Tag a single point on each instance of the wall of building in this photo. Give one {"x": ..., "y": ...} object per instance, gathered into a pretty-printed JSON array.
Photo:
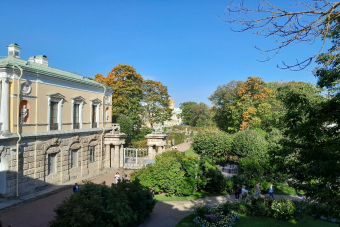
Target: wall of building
[
  {"x": 38, "y": 100},
  {"x": 33, "y": 161}
]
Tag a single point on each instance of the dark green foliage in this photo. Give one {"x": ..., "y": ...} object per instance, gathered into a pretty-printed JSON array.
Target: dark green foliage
[
  {"x": 280, "y": 208},
  {"x": 124, "y": 204},
  {"x": 186, "y": 114},
  {"x": 213, "y": 144},
  {"x": 175, "y": 174},
  {"x": 310, "y": 152},
  {"x": 210, "y": 177},
  {"x": 283, "y": 209},
  {"x": 249, "y": 143},
  {"x": 177, "y": 138},
  {"x": 126, "y": 124},
  {"x": 216, "y": 216}
]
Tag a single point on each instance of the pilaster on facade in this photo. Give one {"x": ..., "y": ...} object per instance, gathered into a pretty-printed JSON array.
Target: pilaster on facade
[{"x": 4, "y": 110}]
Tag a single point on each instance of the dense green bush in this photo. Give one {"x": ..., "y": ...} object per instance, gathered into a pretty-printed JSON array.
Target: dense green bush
[
  {"x": 283, "y": 209},
  {"x": 210, "y": 177},
  {"x": 216, "y": 216},
  {"x": 249, "y": 143},
  {"x": 280, "y": 208},
  {"x": 213, "y": 144},
  {"x": 123, "y": 204},
  {"x": 175, "y": 174}
]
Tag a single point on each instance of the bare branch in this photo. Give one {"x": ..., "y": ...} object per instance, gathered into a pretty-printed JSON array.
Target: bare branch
[{"x": 306, "y": 26}]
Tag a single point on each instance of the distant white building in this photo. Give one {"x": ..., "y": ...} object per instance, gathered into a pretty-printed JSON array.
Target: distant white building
[{"x": 176, "y": 115}]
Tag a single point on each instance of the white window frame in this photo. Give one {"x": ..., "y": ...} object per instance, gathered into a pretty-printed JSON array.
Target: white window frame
[
  {"x": 60, "y": 100},
  {"x": 81, "y": 101},
  {"x": 72, "y": 160},
  {"x": 50, "y": 170},
  {"x": 93, "y": 148},
  {"x": 96, "y": 103}
]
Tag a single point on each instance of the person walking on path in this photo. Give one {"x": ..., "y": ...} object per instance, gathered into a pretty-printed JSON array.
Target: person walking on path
[
  {"x": 117, "y": 177},
  {"x": 244, "y": 193},
  {"x": 123, "y": 176},
  {"x": 271, "y": 191},
  {"x": 257, "y": 189},
  {"x": 75, "y": 188},
  {"x": 237, "y": 191}
]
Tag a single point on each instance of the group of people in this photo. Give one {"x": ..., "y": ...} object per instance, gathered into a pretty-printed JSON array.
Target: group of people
[
  {"x": 121, "y": 177},
  {"x": 242, "y": 191}
]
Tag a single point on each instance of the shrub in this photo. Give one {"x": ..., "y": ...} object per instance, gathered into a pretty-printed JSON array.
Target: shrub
[
  {"x": 210, "y": 177},
  {"x": 248, "y": 143},
  {"x": 175, "y": 174},
  {"x": 215, "y": 216},
  {"x": 283, "y": 208},
  {"x": 124, "y": 204},
  {"x": 213, "y": 144}
]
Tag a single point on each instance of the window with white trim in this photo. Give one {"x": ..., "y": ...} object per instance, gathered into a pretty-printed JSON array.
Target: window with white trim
[
  {"x": 91, "y": 155},
  {"x": 76, "y": 117},
  {"x": 74, "y": 158},
  {"x": 52, "y": 159},
  {"x": 54, "y": 116},
  {"x": 55, "y": 104}
]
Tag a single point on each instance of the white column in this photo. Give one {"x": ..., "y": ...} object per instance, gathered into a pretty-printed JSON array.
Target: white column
[{"x": 4, "y": 117}]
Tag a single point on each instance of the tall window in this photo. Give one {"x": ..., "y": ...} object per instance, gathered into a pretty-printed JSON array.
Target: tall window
[
  {"x": 76, "y": 116},
  {"x": 94, "y": 116},
  {"x": 54, "y": 116},
  {"x": 91, "y": 158},
  {"x": 74, "y": 160},
  {"x": 52, "y": 163}
]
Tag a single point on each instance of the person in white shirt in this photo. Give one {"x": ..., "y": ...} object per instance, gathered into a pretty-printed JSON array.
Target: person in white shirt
[{"x": 117, "y": 177}]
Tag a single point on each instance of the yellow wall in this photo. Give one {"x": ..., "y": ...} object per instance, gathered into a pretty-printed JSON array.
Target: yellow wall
[{"x": 38, "y": 110}]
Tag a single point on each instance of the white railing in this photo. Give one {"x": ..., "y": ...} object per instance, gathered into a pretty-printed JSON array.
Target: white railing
[
  {"x": 135, "y": 157},
  {"x": 229, "y": 170}
]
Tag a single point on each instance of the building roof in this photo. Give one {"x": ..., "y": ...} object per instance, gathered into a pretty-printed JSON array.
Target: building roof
[{"x": 9, "y": 62}]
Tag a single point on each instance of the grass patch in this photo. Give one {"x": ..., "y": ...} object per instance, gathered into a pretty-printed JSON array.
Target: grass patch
[
  {"x": 282, "y": 189},
  {"x": 190, "y": 152},
  {"x": 259, "y": 221},
  {"x": 187, "y": 221},
  {"x": 196, "y": 195}
]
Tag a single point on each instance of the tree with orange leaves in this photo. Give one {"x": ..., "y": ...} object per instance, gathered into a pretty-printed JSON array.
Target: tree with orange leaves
[
  {"x": 241, "y": 105},
  {"x": 127, "y": 90}
]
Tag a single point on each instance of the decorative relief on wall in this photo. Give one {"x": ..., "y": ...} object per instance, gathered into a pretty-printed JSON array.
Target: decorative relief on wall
[{"x": 26, "y": 87}]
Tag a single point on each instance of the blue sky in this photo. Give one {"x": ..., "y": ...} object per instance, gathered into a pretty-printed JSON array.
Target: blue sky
[{"x": 183, "y": 44}]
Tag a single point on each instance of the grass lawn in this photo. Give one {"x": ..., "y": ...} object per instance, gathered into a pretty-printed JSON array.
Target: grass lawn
[
  {"x": 283, "y": 189},
  {"x": 256, "y": 221},
  {"x": 196, "y": 195},
  {"x": 190, "y": 152}
]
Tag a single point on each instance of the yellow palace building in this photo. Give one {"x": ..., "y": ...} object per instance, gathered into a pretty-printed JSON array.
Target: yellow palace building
[{"x": 52, "y": 124}]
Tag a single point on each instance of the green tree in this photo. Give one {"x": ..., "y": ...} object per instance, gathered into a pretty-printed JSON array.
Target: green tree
[
  {"x": 126, "y": 84},
  {"x": 213, "y": 144},
  {"x": 201, "y": 115},
  {"x": 156, "y": 102},
  {"x": 186, "y": 113},
  {"x": 123, "y": 204},
  {"x": 249, "y": 143},
  {"x": 310, "y": 149}
]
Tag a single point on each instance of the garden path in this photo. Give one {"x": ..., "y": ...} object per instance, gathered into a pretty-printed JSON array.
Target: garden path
[{"x": 168, "y": 214}]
